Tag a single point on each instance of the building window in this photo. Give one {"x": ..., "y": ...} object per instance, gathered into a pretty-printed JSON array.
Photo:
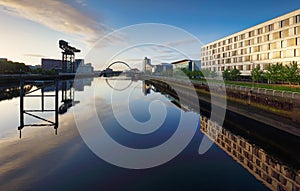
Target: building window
[
  {"x": 280, "y": 34},
  {"x": 270, "y": 27},
  {"x": 242, "y": 36},
  {"x": 251, "y": 33},
  {"x": 297, "y": 19},
  {"x": 259, "y": 31},
  {"x": 295, "y": 52},
  {"x": 235, "y": 39},
  {"x": 297, "y": 41},
  {"x": 295, "y": 31},
  {"x": 282, "y": 23}
]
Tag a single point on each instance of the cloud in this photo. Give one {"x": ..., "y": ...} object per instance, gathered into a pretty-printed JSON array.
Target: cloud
[
  {"x": 182, "y": 42},
  {"x": 58, "y": 16},
  {"x": 35, "y": 55},
  {"x": 81, "y": 2}
]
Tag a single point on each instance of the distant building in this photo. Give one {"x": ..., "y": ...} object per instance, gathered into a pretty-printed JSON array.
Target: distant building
[
  {"x": 79, "y": 66},
  {"x": 147, "y": 67},
  {"x": 188, "y": 64},
  {"x": 3, "y": 59},
  {"x": 163, "y": 69},
  {"x": 78, "y": 62},
  {"x": 51, "y": 64},
  {"x": 135, "y": 70},
  {"x": 34, "y": 67},
  {"x": 85, "y": 68}
]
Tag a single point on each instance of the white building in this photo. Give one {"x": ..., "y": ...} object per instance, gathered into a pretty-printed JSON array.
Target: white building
[{"x": 274, "y": 41}]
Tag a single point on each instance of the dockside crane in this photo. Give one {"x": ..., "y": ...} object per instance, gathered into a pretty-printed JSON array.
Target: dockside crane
[{"x": 68, "y": 57}]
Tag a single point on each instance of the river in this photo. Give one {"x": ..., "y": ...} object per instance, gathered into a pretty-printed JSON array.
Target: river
[{"x": 79, "y": 156}]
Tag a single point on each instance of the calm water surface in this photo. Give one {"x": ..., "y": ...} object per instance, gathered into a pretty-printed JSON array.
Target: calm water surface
[{"x": 41, "y": 160}]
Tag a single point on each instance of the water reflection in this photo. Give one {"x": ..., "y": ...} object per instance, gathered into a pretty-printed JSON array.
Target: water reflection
[
  {"x": 11, "y": 91},
  {"x": 45, "y": 89},
  {"x": 274, "y": 172},
  {"x": 40, "y": 161}
]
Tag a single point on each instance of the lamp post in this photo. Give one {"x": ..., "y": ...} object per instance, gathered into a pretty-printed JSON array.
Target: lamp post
[{"x": 253, "y": 65}]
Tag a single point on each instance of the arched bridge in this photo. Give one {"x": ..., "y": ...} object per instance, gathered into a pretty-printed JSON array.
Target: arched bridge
[{"x": 109, "y": 71}]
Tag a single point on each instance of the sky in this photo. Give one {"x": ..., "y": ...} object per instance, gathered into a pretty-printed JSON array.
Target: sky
[{"x": 108, "y": 30}]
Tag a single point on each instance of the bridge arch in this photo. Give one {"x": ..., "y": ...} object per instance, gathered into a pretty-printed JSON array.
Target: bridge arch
[
  {"x": 119, "y": 89},
  {"x": 119, "y": 62}
]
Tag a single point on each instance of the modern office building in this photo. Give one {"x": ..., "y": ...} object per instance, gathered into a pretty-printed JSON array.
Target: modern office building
[
  {"x": 79, "y": 66},
  {"x": 191, "y": 65},
  {"x": 51, "y": 64},
  {"x": 274, "y": 41}
]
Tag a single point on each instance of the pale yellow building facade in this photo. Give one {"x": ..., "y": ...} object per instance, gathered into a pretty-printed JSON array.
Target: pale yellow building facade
[{"x": 274, "y": 41}]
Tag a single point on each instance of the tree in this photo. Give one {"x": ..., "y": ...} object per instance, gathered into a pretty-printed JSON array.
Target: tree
[
  {"x": 9, "y": 67},
  {"x": 275, "y": 73},
  {"x": 199, "y": 74},
  {"x": 291, "y": 73},
  {"x": 213, "y": 74},
  {"x": 235, "y": 74},
  {"x": 231, "y": 74},
  {"x": 257, "y": 74},
  {"x": 226, "y": 74},
  {"x": 208, "y": 73},
  {"x": 187, "y": 72}
]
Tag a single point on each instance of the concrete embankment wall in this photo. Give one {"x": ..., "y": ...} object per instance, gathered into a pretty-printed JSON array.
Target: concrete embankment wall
[{"x": 280, "y": 112}]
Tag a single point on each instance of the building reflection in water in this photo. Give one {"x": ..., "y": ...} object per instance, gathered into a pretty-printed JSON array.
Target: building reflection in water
[{"x": 274, "y": 174}]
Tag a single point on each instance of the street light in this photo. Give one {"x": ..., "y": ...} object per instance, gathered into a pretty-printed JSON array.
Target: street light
[{"x": 253, "y": 65}]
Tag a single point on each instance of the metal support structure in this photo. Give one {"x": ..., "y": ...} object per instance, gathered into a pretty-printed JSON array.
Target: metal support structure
[
  {"x": 23, "y": 111},
  {"x": 68, "y": 57},
  {"x": 68, "y": 97},
  {"x": 56, "y": 106}
]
